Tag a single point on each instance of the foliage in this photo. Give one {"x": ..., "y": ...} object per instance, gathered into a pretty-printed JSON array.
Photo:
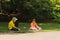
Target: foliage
[
  {"x": 56, "y": 9},
  {"x": 40, "y": 9}
]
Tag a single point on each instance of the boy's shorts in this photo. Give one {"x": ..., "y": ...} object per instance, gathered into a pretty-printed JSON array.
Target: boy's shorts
[{"x": 14, "y": 29}]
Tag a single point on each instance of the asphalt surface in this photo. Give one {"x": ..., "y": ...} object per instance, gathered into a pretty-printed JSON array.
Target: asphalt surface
[{"x": 55, "y": 35}]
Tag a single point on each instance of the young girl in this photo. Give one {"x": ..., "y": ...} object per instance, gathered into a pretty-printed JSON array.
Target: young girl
[
  {"x": 12, "y": 26},
  {"x": 34, "y": 26}
]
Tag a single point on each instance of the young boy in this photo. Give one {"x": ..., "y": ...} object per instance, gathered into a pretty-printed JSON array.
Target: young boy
[
  {"x": 34, "y": 26},
  {"x": 12, "y": 26}
]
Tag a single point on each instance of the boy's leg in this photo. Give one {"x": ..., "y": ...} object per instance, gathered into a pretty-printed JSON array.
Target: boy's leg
[{"x": 14, "y": 29}]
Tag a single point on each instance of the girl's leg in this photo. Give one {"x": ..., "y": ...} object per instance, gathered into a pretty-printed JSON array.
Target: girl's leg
[
  {"x": 33, "y": 28},
  {"x": 39, "y": 28}
]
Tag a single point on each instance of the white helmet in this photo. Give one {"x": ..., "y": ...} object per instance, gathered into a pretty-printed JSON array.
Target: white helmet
[{"x": 14, "y": 18}]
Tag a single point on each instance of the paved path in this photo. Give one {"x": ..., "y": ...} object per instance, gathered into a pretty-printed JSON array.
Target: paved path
[{"x": 32, "y": 36}]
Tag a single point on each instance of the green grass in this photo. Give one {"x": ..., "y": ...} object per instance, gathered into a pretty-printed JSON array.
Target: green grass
[{"x": 45, "y": 27}]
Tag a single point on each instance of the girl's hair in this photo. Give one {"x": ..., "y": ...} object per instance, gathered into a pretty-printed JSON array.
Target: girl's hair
[{"x": 34, "y": 19}]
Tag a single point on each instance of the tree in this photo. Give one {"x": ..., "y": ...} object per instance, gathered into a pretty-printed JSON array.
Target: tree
[
  {"x": 56, "y": 10},
  {"x": 28, "y": 9}
]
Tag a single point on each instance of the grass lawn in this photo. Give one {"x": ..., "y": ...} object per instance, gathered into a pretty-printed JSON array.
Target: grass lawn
[{"x": 45, "y": 27}]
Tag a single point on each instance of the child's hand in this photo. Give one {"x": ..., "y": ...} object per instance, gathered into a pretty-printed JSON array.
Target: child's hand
[{"x": 18, "y": 28}]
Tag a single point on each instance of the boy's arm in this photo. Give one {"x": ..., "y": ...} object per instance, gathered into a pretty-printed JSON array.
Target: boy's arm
[
  {"x": 13, "y": 25},
  {"x": 16, "y": 27}
]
